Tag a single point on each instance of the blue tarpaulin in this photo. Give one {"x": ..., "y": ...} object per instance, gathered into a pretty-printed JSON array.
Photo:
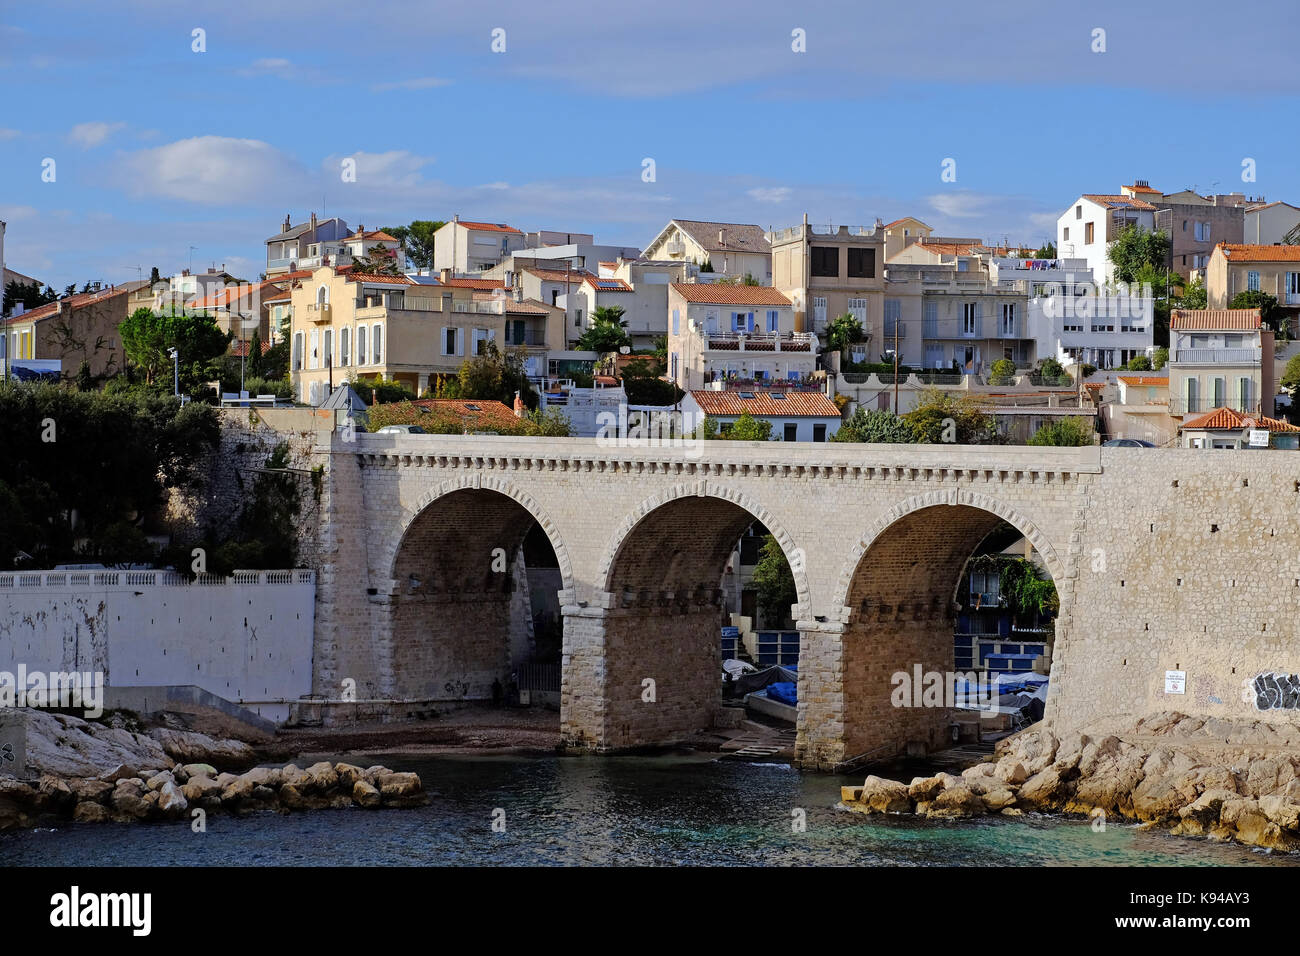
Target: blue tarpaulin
[{"x": 783, "y": 692}]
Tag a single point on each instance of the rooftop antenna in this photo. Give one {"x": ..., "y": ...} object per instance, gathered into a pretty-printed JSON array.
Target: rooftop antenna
[{"x": 192, "y": 248}]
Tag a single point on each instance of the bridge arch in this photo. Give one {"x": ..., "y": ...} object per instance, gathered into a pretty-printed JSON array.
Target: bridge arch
[
  {"x": 897, "y": 617},
  {"x": 705, "y": 489},
  {"x": 458, "y": 612}
]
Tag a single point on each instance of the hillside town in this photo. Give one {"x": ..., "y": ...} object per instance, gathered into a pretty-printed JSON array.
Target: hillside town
[{"x": 1152, "y": 319}]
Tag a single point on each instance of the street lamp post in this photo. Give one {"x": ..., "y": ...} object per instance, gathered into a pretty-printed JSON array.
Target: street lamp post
[{"x": 176, "y": 371}]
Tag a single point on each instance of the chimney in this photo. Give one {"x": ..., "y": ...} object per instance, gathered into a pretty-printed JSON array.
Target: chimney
[
  {"x": 287, "y": 224},
  {"x": 519, "y": 406},
  {"x": 313, "y": 221},
  {"x": 444, "y": 276},
  {"x": 722, "y": 237},
  {"x": 360, "y": 229}
]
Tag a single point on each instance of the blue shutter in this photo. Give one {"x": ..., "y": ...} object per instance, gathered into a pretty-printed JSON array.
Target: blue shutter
[{"x": 750, "y": 321}]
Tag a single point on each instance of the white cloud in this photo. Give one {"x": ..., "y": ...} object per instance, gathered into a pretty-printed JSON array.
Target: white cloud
[
  {"x": 770, "y": 193},
  {"x": 419, "y": 83},
  {"x": 960, "y": 205},
  {"x": 211, "y": 169},
  {"x": 273, "y": 66},
  {"x": 496, "y": 185},
  {"x": 89, "y": 135},
  {"x": 9, "y": 134},
  {"x": 397, "y": 168}
]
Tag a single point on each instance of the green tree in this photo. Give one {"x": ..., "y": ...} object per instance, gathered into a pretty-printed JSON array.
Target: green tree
[
  {"x": 940, "y": 417},
  {"x": 1063, "y": 431},
  {"x": 774, "y": 580},
  {"x": 1134, "y": 248},
  {"x": 494, "y": 375},
  {"x": 876, "y": 425},
  {"x": 744, "y": 428},
  {"x": 1194, "y": 295},
  {"x": 1269, "y": 311},
  {"x": 1159, "y": 358},
  {"x": 1046, "y": 251},
  {"x": 379, "y": 261},
  {"x": 1002, "y": 372},
  {"x": 380, "y": 391},
  {"x": 29, "y": 296},
  {"x": 417, "y": 240},
  {"x": 607, "y": 332},
  {"x": 1291, "y": 375},
  {"x": 1139, "y": 363},
  {"x": 148, "y": 336},
  {"x": 843, "y": 331}
]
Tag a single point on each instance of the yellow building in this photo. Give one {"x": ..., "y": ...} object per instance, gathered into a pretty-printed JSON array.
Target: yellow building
[
  {"x": 345, "y": 325},
  {"x": 1236, "y": 268}
]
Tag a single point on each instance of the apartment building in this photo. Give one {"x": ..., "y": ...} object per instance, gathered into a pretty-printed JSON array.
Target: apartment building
[
  {"x": 1094, "y": 220},
  {"x": 242, "y": 308},
  {"x": 307, "y": 245},
  {"x": 470, "y": 248},
  {"x": 735, "y": 333},
  {"x": 78, "y": 328},
  {"x": 731, "y": 249},
  {"x": 345, "y": 324},
  {"x": 827, "y": 271},
  {"x": 1140, "y": 410},
  {"x": 795, "y": 414},
  {"x": 1250, "y": 268},
  {"x": 1268, "y": 224},
  {"x": 638, "y": 287},
  {"x": 1195, "y": 223},
  {"x": 1220, "y": 358}
]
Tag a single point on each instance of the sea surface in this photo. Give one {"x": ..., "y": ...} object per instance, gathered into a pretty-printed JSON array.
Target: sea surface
[{"x": 654, "y": 811}]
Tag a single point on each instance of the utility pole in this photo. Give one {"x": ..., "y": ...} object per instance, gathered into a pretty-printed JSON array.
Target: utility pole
[{"x": 896, "y": 366}]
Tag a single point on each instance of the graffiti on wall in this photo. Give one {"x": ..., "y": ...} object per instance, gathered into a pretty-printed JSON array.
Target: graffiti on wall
[{"x": 1274, "y": 691}]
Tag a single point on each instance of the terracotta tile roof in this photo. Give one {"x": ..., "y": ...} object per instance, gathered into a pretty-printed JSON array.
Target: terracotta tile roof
[
  {"x": 1094, "y": 386},
  {"x": 718, "y": 294},
  {"x": 1144, "y": 189},
  {"x": 488, "y": 226},
  {"x": 786, "y": 403},
  {"x": 608, "y": 285},
  {"x": 1156, "y": 380},
  {"x": 1224, "y": 419},
  {"x": 484, "y": 284},
  {"x": 557, "y": 275},
  {"x": 380, "y": 278},
  {"x": 74, "y": 302},
  {"x": 1215, "y": 320},
  {"x": 1119, "y": 202},
  {"x": 377, "y": 234},
  {"x": 284, "y": 296},
  {"x": 528, "y": 307},
  {"x": 948, "y": 248},
  {"x": 223, "y": 298},
  {"x": 1255, "y": 207},
  {"x": 239, "y": 346},
  {"x": 476, "y": 413},
  {"x": 1238, "y": 252},
  {"x": 737, "y": 236}
]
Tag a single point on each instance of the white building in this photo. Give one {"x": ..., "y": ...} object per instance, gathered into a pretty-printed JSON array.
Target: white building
[
  {"x": 1091, "y": 224},
  {"x": 468, "y": 248},
  {"x": 1267, "y": 224},
  {"x": 639, "y": 288},
  {"x": 731, "y": 249},
  {"x": 795, "y": 414}
]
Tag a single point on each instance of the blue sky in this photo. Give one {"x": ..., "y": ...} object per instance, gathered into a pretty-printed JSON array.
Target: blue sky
[{"x": 159, "y": 148}]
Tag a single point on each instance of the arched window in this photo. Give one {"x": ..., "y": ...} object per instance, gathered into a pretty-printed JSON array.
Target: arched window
[
  {"x": 377, "y": 344},
  {"x": 344, "y": 354},
  {"x": 322, "y": 296},
  {"x": 361, "y": 345},
  {"x": 297, "y": 351}
]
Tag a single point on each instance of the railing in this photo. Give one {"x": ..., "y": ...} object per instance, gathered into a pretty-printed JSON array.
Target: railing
[
  {"x": 1199, "y": 406},
  {"x": 539, "y": 677},
  {"x": 762, "y": 341},
  {"x": 496, "y": 307},
  {"x": 1216, "y": 356},
  {"x": 159, "y": 578},
  {"x": 320, "y": 313},
  {"x": 529, "y": 337}
]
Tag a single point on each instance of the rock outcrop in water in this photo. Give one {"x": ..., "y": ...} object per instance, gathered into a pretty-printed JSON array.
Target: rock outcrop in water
[
  {"x": 1226, "y": 780},
  {"x": 93, "y": 773}
]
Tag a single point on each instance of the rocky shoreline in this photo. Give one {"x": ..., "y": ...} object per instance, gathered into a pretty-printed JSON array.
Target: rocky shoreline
[
  {"x": 95, "y": 773},
  {"x": 1215, "y": 778}
]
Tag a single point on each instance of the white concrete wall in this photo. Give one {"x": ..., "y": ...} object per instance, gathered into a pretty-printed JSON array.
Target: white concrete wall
[{"x": 248, "y": 640}]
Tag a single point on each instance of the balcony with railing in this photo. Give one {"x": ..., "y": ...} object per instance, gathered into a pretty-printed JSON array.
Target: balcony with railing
[
  {"x": 320, "y": 313},
  {"x": 1182, "y": 406},
  {"x": 1216, "y": 357},
  {"x": 761, "y": 341}
]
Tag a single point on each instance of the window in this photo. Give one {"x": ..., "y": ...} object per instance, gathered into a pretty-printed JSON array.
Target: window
[
  {"x": 361, "y": 345},
  {"x": 673, "y": 366},
  {"x": 1078, "y": 211},
  {"x": 862, "y": 263},
  {"x": 1008, "y": 318},
  {"x": 968, "y": 316},
  {"x": 819, "y": 310},
  {"x": 893, "y": 325},
  {"x": 819, "y": 433},
  {"x": 448, "y": 341},
  {"x": 773, "y": 320},
  {"x": 297, "y": 351},
  {"x": 826, "y": 261},
  {"x": 555, "y": 296},
  {"x": 858, "y": 309},
  {"x": 329, "y": 348},
  {"x": 1087, "y": 234},
  {"x": 1244, "y": 394},
  {"x": 1252, "y": 281},
  {"x": 1202, "y": 232},
  {"x": 676, "y": 317},
  {"x": 1192, "y": 395},
  {"x": 1065, "y": 234},
  {"x": 1184, "y": 225},
  {"x": 1293, "y": 283},
  {"x": 791, "y": 432},
  {"x": 1220, "y": 387},
  {"x": 344, "y": 353},
  {"x": 377, "y": 345},
  {"x": 481, "y": 337},
  {"x": 314, "y": 356}
]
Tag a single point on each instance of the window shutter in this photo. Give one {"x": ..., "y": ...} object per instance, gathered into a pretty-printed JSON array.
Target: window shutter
[{"x": 460, "y": 341}]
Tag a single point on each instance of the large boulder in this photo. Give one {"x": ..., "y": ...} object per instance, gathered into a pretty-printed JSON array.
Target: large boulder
[
  {"x": 159, "y": 780},
  {"x": 263, "y": 776},
  {"x": 954, "y": 802},
  {"x": 192, "y": 770},
  {"x": 1042, "y": 789},
  {"x": 68, "y": 746},
  {"x": 365, "y": 795},
  {"x": 348, "y": 775},
  {"x": 924, "y": 789},
  {"x": 90, "y": 812},
  {"x": 17, "y": 803},
  {"x": 321, "y": 778},
  {"x": 1011, "y": 770},
  {"x": 199, "y": 788},
  {"x": 878, "y": 796},
  {"x": 171, "y": 801},
  {"x": 238, "y": 790},
  {"x": 189, "y": 747},
  {"x": 89, "y": 790},
  {"x": 405, "y": 789}
]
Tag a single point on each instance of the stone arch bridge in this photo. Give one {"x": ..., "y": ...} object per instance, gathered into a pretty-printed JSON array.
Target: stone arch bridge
[{"x": 1165, "y": 560}]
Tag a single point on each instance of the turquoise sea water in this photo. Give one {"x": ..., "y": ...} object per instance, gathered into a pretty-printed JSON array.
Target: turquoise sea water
[{"x": 678, "y": 810}]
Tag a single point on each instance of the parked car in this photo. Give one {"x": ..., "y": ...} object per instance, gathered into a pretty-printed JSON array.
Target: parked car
[
  {"x": 400, "y": 430},
  {"x": 1127, "y": 443}
]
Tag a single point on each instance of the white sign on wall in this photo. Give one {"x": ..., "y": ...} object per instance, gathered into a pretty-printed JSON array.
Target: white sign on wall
[
  {"x": 1258, "y": 438},
  {"x": 1175, "y": 682}
]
